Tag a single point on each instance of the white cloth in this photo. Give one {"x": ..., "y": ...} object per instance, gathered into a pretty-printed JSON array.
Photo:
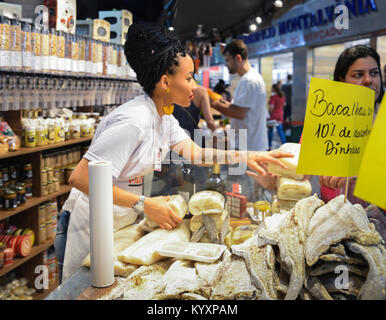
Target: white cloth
[
  {"x": 129, "y": 137},
  {"x": 250, "y": 93}
]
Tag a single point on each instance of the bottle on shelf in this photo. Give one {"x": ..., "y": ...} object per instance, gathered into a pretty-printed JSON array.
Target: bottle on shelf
[{"x": 215, "y": 182}]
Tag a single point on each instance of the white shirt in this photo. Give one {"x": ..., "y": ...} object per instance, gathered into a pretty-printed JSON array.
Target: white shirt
[
  {"x": 130, "y": 137},
  {"x": 250, "y": 93}
]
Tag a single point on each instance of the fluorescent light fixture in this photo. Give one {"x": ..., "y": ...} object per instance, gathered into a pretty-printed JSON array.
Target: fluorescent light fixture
[
  {"x": 258, "y": 20},
  {"x": 252, "y": 27},
  {"x": 278, "y": 3}
]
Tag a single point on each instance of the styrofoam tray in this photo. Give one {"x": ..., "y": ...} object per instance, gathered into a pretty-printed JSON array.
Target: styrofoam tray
[{"x": 202, "y": 252}]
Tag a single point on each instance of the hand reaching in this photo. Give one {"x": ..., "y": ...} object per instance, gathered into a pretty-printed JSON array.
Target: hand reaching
[{"x": 158, "y": 210}]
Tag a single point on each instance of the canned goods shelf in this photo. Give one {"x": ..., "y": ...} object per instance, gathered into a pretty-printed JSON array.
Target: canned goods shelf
[
  {"x": 24, "y": 151},
  {"x": 19, "y": 261},
  {"x": 34, "y": 201}
]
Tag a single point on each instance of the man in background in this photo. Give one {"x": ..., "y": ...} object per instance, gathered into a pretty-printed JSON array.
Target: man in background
[{"x": 247, "y": 110}]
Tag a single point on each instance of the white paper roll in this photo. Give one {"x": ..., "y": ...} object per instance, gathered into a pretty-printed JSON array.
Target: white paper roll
[{"x": 101, "y": 223}]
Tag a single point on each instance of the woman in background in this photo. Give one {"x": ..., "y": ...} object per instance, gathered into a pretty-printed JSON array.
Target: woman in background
[
  {"x": 358, "y": 65},
  {"x": 276, "y": 111}
]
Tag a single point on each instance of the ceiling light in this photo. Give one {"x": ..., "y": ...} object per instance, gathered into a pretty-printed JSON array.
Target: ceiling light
[
  {"x": 252, "y": 27},
  {"x": 171, "y": 29},
  {"x": 278, "y": 3},
  {"x": 258, "y": 20}
]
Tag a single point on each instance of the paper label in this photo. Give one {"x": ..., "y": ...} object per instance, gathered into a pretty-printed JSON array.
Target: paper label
[
  {"x": 370, "y": 185},
  {"x": 337, "y": 125}
]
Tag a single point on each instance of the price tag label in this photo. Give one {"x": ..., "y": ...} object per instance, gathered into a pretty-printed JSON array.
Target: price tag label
[
  {"x": 337, "y": 125},
  {"x": 370, "y": 184}
]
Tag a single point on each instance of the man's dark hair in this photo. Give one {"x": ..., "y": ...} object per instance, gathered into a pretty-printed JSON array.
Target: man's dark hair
[
  {"x": 235, "y": 47},
  {"x": 151, "y": 51},
  {"x": 349, "y": 56},
  {"x": 289, "y": 77}
]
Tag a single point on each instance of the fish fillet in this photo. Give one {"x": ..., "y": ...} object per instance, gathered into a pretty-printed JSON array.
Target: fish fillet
[
  {"x": 235, "y": 283},
  {"x": 334, "y": 222},
  {"x": 374, "y": 287},
  {"x": 260, "y": 262},
  {"x": 290, "y": 234}
]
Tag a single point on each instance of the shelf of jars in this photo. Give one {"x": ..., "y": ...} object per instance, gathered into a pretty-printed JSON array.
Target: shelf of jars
[{"x": 27, "y": 47}]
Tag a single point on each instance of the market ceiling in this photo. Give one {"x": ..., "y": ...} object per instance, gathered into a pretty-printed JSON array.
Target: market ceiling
[{"x": 228, "y": 17}]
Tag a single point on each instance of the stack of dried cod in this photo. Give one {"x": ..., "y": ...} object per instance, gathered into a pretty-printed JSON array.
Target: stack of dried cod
[{"x": 314, "y": 251}]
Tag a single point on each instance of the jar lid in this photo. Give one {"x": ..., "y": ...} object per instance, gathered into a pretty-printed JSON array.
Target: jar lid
[{"x": 8, "y": 192}]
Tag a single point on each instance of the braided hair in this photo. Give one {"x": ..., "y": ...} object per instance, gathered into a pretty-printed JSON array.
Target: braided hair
[{"x": 151, "y": 50}]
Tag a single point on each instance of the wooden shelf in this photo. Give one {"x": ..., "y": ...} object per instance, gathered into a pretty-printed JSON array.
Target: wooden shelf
[
  {"x": 24, "y": 151},
  {"x": 34, "y": 251},
  {"x": 34, "y": 201}
]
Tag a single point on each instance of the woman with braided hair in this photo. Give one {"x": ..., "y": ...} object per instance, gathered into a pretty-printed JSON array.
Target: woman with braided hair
[{"x": 137, "y": 135}]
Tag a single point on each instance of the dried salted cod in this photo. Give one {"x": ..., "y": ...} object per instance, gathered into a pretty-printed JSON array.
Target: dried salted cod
[
  {"x": 235, "y": 283},
  {"x": 317, "y": 289},
  {"x": 352, "y": 287},
  {"x": 260, "y": 262},
  {"x": 289, "y": 233},
  {"x": 323, "y": 267},
  {"x": 211, "y": 273},
  {"x": 180, "y": 278},
  {"x": 374, "y": 287},
  {"x": 334, "y": 222},
  {"x": 142, "y": 284}
]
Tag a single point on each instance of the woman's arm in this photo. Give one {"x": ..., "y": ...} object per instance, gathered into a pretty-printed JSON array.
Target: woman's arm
[
  {"x": 203, "y": 102},
  {"x": 156, "y": 208},
  {"x": 208, "y": 156}
]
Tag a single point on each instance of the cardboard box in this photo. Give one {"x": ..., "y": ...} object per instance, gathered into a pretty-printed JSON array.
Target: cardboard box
[
  {"x": 62, "y": 15},
  {"x": 119, "y": 21}
]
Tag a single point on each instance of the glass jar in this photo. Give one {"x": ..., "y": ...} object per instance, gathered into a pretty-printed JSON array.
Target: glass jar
[
  {"x": 12, "y": 172},
  {"x": 5, "y": 176},
  {"x": 26, "y": 45},
  {"x": 75, "y": 131},
  {"x": 40, "y": 136},
  {"x": 15, "y": 45},
  {"x": 9, "y": 197},
  {"x": 56, "y": 184},
  {"x": 53, "y": 53},
  {"x": 44, "y": 190},
  {"x": 5, "y": 53},
  {"x": 27, "y": 171},
  {"x": 50, "y": 173},
  {"x": 45, "y": 49},
  {"x": 30, "y": 136},
  {"x": 28, "y": 188},
  {"x": 36, "y": 48},
  {"x": 50, "y": 187},
  {"x": 20, "y": 195},
  {"x": 44, "y": 176}
]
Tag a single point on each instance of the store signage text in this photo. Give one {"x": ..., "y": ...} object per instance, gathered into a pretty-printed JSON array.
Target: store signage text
[
  {"x": 336, "y": 128},
  {"x": 319, "y": 18}
]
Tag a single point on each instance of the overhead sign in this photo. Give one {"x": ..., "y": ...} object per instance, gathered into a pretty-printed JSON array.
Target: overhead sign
[
  {"x": 372, "y": 174},
  {"x": 337, "y": 125},
  {"x": 315, "y": 22}
]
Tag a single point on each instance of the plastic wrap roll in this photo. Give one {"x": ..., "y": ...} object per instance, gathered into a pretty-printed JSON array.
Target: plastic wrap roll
[{"x": 101, "y": 223}]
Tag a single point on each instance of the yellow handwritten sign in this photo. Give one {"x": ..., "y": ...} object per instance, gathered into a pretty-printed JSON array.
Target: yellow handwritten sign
[
  {"x": 370, "y": 185},
  {"x": 336, "y": 128}
]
